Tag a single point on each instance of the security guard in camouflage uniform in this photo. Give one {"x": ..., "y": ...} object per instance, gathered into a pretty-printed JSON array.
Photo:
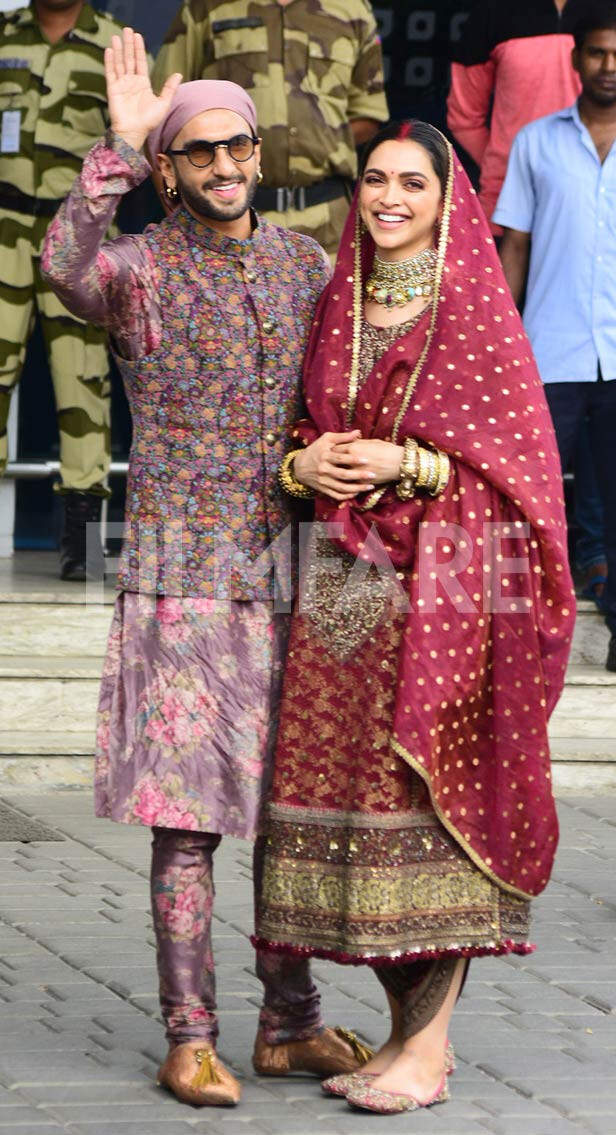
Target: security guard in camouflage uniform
[
  {"x": 314, "y": 69},
  {"x": 52, "y": 108}
]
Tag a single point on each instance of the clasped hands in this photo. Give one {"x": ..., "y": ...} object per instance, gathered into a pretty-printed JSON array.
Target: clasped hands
[{"x": 341, "y": 465}]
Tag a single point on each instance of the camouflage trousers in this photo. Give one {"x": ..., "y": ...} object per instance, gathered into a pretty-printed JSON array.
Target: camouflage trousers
[
  {"x": 76, "y": 351},
  {"x": 322, "y": 222}
]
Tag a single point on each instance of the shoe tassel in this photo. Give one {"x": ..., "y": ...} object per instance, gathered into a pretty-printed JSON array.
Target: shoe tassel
[
  {"x": 207, "y": 1073},
  {"x": 361, "y": 1052}
]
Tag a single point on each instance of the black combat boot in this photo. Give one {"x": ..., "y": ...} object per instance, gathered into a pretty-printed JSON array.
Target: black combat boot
[
  {"x": 611, "y": 655},
  {"x": 81, "y": 554}
]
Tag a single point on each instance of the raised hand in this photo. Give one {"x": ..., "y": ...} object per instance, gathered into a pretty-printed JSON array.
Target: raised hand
[{"x": 134, "y": 109}]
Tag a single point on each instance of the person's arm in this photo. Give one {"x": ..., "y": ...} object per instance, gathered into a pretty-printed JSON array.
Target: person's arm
[
  {"x": 515, "y": 212},
  {"x": 102, "y": 282},
  {"x": 109, "y": 283},
  {"x": 183, "y": 48},
  {"x": 515, "y": 255},
  {"x": 363, "y": 130},
  {"x": 473, "y": 77},
  {"x": 468, "y": 106},
  {"x": 366, "y": 100}
]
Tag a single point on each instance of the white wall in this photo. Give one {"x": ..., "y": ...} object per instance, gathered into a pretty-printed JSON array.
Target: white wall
[{"x": 7, "y": 5}]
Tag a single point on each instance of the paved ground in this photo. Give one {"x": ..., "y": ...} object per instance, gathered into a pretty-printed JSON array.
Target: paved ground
[{"x": 80, "y": 1040}]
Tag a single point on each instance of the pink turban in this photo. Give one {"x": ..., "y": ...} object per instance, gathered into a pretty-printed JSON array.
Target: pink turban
[{"x": 194, "y": 98}]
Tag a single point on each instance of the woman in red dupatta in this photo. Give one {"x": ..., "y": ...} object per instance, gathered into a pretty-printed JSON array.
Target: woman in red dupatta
[{"x": 412, "y": 816}]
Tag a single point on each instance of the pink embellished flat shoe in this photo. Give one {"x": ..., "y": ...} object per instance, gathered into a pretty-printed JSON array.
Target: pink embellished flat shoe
[
  {"x": 368, "y": 1098},
  {"x": 342, "y": 1085}
]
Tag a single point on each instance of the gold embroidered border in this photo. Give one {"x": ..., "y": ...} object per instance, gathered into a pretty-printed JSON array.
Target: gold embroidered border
[
  {"x": 453, "y": 831},
  {"x": 375, "y": 497},
  {"x": 288, "y": 813},
  {"x": 330, "y": 890},
  {"x": 356, "y": 336},
  {"x": 365, "y": 913},
  {"x": 440, "y": 267}
]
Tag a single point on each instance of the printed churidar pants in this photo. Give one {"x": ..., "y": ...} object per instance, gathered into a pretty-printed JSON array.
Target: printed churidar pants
[{"x": 182, "y": 900}]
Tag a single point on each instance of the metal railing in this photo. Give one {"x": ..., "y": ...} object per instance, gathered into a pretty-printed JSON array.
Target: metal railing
[{"x": 38, "y": 470}]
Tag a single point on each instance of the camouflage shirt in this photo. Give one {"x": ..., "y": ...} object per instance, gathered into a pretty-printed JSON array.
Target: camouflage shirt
[
  {"x": 60, "y": 95},
  {"x": 311, "y": 66}
]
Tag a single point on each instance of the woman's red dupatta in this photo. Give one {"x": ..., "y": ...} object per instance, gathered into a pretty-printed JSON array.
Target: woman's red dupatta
[{"x": 475, "y": 687}]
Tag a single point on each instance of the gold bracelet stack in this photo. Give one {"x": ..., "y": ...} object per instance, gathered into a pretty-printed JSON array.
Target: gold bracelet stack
[
  {"x": 289, "y": 483},
  {"x": 422, "y": 468}
]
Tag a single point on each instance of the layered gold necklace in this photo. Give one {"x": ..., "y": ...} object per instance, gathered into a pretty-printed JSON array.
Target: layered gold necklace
[{"x": 397, "y": 282}]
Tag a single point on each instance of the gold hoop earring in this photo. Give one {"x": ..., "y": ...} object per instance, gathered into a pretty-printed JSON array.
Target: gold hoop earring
[
  {"x": 259, "y": 176},
  {"x": 171, "y": 193}
]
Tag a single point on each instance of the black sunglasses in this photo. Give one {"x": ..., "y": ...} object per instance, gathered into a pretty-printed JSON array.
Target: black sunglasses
[{"x": 201, "y": 153}]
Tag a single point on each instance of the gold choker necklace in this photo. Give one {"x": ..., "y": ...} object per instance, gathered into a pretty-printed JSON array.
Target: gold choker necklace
[{"x": 396, "y": 282}]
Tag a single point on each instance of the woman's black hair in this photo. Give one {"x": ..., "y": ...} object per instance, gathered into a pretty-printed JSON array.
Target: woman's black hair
[
  {"x": 598, "y": 16},
  {"x": 413, "y": 130}
]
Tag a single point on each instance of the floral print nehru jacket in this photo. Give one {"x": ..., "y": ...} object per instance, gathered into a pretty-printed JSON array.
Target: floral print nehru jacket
[{"x": 209, "y": 334}]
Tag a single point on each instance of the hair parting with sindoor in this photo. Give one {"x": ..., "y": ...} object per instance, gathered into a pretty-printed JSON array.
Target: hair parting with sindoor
[{"x": 413, "y": 130}]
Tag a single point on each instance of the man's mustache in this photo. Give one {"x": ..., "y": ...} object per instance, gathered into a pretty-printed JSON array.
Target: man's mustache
[{"x": 223, "y": 181}]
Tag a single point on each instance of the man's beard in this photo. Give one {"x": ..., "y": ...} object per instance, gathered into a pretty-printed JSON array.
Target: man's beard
[
  {"x": 599, "y": 97},
  {"x": 199, "y": 204}
]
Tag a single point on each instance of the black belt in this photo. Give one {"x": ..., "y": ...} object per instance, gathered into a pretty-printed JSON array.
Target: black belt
[
  {"x": 33, "y": 206},
  {"x": 300, "y": 197}
]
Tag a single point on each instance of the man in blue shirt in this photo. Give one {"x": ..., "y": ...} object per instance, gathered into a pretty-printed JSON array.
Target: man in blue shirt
[{"x": 558, "y": 210}]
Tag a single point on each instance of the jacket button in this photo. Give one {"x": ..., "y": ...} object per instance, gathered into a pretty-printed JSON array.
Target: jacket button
[
  {"x": 268, "y": 326},
  {"x": 269, "y": 381},
  {"x": 271, "y": 437}
]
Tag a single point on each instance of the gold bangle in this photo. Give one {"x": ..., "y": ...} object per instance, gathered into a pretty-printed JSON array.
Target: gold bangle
[
  {"x": 290, "y": 483},
  {"x": 421, "y": 468},
  {"x": 423, "y": 475},
  {"x": 443, "y": 474},
  {"x": 405, "y": 488},
  {"x": 410, "y": 459},
  {"x": 433, "y": 472}
]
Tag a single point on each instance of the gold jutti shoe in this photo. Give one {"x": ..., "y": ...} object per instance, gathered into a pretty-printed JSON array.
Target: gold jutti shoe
[
  {"x": 329, "y": 1053},
  {"x": 195, "y": 1075}
]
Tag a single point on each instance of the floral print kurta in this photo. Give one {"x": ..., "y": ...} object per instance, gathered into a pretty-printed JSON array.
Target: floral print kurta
[{"x": 187, "y": 713}]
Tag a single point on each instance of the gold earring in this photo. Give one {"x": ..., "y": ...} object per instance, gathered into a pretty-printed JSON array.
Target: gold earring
[
  {"x": 259, "y": 176},
  {"x": 171, "y": 192}
]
